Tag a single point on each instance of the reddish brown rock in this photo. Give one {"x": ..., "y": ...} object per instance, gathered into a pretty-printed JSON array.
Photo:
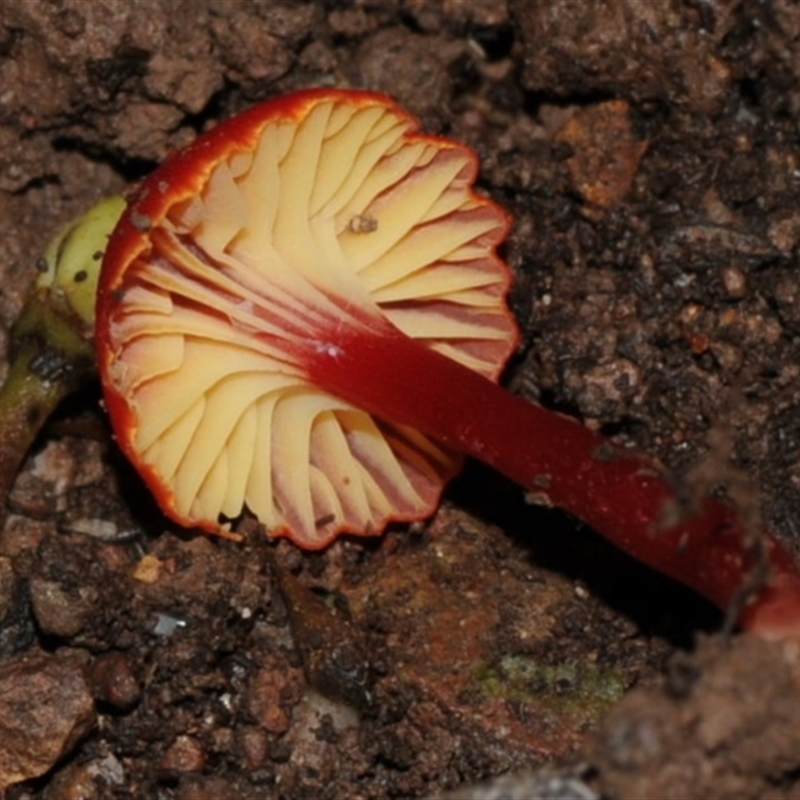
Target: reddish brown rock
[
  {"x": 45, "y": 708},
  {"x": 606, "y": 153},
  {"x": 62, "y": 611},
  {"x": 264, "y": 700}
]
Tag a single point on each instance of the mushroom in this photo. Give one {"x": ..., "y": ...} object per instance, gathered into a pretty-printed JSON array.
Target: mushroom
[{"x": 303, "y": 314}]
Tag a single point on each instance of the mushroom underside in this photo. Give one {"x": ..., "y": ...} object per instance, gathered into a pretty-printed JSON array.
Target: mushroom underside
[{"x": 340, "y": 218}]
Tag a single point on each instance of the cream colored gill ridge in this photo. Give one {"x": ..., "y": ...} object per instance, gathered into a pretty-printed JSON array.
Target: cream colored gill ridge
[{"x": 341, "y": 215}]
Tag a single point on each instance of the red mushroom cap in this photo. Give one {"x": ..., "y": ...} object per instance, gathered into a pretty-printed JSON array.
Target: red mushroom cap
[{"x": 241, "y": 256}]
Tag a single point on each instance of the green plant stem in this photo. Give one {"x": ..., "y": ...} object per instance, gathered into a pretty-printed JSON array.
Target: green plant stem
[{"x": 50, "y": 359}]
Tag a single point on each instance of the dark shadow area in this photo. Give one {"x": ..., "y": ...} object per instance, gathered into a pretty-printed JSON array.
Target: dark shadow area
[{"x": 659, "y": 606}]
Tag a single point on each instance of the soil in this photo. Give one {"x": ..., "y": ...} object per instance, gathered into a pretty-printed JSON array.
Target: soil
[{"x": 649, "y": 154}]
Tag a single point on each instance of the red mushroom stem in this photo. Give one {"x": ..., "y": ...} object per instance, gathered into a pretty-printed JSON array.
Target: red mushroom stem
[{"x": 626, "y": 499}]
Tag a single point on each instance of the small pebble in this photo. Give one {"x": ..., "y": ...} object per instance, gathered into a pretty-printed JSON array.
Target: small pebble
[
  {"x": 114, "y": 681},
  {"x": 735, "y": 282},
  {"x": 185, "y": 754}
]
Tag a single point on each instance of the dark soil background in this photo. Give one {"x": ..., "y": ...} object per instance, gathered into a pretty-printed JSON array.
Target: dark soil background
[{"x": 649, "y": 151}]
